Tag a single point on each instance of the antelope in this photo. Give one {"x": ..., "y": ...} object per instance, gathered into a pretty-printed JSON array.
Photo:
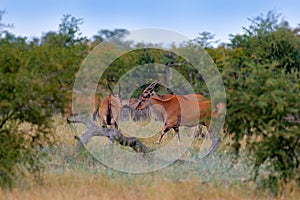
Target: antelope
[
  {"x": 176, "y": 110},
  {"x": 109, "y": 110}
]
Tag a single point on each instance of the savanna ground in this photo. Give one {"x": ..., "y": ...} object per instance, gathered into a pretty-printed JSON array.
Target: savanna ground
[{"x": 81, "y": 176}]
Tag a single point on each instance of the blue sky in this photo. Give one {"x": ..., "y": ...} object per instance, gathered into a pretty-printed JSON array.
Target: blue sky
[{"x": 188, "y": 17}]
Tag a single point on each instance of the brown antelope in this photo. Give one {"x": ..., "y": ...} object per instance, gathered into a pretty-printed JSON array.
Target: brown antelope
[
  {"x": 108, "y": 111},
  {"x": 137, "y": 115},
  {"x": 176, "y": 110}
]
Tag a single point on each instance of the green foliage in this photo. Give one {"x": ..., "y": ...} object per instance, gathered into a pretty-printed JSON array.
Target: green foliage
[
  {"x": 258, "y": 106},
  {"x": 205, "y": 39},
  {"x": 261, "y": 75},
  {"x": 35, "y": 80},
  {"x": 268, "y": 40},
  {"x": 106, "y": 34},
  {"x": 3, "y": 26},
  {"x": 69, "y": 30},
  {"x": 152, "y": 60},
  {"x": 23, "y": 101}
]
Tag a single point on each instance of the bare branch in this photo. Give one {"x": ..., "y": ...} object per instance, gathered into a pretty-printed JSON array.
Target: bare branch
[{"x": 113, "y": 135}]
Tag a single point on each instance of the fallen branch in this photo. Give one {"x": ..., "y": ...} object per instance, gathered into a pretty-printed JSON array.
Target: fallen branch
[{"x": 113, "y": 135}]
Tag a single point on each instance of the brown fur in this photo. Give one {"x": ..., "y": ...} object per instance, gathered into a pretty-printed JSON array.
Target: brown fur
[
  {"x": 176, "y": 110},
  {"x": 109, "y": 111}
]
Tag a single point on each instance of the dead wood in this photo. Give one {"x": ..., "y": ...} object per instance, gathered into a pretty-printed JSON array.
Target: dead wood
[
  {"x": 112, "y": 134},
  {"x": 115, "y": 135}
]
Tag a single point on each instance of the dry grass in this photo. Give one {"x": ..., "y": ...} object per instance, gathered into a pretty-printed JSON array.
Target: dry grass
[
  {"x": 83, "y": 178},
  {"x": 80, "y": 186}
]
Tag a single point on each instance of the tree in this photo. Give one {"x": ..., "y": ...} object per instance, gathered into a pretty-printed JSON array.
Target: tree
[
  {"x": 265, "y": 24},
  {"x": 25, "y": 99},
  {"x": 3, "y": 26},
  {"x": 268, "y": 39},
  {"x": 106, "y": 33},
  {"x": 263, "y": 104},
  {"x": 35, "y": 80},
  {"x": 259, "y": 104},
  {"x": 70, "y": 31},
  {"x": 205, "y": 39}
]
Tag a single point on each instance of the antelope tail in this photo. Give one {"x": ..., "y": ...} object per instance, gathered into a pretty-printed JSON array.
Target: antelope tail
[
  {"x": 112, "y": 92},
  {"x": 109, "y": 108},
  {"x": 96, "y": 114}
]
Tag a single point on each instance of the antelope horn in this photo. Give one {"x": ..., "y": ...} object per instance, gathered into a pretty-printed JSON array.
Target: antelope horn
[
  {"x": 152, "y": 85},
  {"x": 112, "y": 92}
]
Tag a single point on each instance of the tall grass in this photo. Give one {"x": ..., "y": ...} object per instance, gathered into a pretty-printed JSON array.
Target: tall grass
[{"x": 80, "y": 176}]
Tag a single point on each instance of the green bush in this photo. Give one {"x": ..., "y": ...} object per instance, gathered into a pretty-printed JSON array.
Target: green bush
[
  {"x": 35, "y": 77},
  {"x": 262, "y": 107}
]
